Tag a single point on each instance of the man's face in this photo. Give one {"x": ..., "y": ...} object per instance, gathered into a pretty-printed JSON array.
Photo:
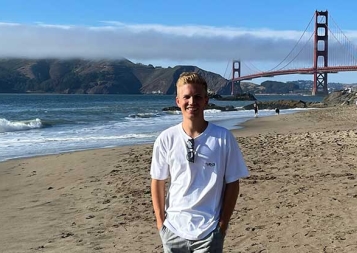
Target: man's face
[{"x": 192, "y": 100}]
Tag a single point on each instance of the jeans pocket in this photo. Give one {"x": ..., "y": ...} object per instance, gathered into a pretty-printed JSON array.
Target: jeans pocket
[
  {"x": 219, "y": 231},
  {"x": 162, "y": 230}
]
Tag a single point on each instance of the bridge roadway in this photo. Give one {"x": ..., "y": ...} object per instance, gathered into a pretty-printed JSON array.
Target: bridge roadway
[{"x": 296, "y": 71}]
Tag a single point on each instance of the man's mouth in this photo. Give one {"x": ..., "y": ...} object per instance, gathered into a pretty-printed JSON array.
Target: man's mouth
[{"x": 191, "y": 109}]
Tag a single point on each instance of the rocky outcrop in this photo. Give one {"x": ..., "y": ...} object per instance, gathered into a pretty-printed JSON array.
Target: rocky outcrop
[
  {"x": 342, "y": 97},
  {"x": 237, "y": 97},
  {"x": 210, "y": 106},
  {"x": 270, "y": 105},
  {"x": 283, "y": 104}
]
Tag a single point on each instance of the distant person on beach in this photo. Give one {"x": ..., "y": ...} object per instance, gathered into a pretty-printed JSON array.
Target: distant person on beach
[
  {"x": 255, "y": 105},
  {"x": 277, "y": 111},
  {"x": 204, "y": 164}
]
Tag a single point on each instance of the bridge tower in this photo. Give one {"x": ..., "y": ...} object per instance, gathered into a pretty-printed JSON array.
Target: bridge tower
[
  {"x": 236, "y": 69},
  {"x": 320, "y": 52}
]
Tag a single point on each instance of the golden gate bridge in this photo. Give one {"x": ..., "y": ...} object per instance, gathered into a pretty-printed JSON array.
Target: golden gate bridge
[{"x": 328, "y": 47}]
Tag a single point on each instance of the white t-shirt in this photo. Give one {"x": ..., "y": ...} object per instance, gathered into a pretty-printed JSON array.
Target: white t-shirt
[{"x": 194, "y": 199}]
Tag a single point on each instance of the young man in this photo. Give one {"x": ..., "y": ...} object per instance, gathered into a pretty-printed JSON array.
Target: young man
[{"x": 204, "y": 164}]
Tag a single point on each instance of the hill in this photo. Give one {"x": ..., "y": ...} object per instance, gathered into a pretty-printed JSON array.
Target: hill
[
  {"x": 249, "y": 87},
  {"x": 297, "y": 87},
  {"x": 96, "y": 77}
]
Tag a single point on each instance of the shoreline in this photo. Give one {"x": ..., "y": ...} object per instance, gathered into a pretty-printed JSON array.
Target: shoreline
[
  {"x": 303, "y": 176},
  {"x": 236, "y": 127}
]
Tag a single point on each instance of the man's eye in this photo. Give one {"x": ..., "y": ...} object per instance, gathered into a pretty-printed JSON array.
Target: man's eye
[{"x": 196, "y": 97}]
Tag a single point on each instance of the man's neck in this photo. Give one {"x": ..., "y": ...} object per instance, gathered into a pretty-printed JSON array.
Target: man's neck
[{"x": 194, "y": 128}]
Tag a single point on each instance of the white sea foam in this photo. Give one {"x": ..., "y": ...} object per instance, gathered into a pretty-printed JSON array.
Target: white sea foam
[
  {"x": 212, "y": 111},
  {"x": 12, "y": 126},
  {"x": 144, "y": 115},
  {"x": 173, "y": 112}
]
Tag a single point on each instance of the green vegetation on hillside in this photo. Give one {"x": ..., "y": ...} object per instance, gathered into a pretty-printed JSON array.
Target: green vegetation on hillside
[{"x": 94, "y": 77}]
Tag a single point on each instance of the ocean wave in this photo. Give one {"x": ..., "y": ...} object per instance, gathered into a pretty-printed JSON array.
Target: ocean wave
[
  {"x": 144, "y": 115},
  {"x": 212, "y": 111},
  {"x": 12, "y": 126},
  {"x": 173, "y": 112}
]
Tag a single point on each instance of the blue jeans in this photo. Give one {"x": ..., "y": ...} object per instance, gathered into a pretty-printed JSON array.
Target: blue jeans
[{"x": 172, "y": 243}]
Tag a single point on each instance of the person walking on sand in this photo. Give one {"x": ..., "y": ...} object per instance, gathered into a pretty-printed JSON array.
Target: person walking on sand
[
  {"x": 277, "y": 111},
  {"x": 255, "y": 105},
  {"x": 204, "y": 164}
]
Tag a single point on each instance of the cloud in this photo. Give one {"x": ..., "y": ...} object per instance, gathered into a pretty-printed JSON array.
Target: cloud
[{"x": 151, "y": 42}]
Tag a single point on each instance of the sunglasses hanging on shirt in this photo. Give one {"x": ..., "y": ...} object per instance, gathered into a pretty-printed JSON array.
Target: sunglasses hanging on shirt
[{"x": 190, "y": 146}]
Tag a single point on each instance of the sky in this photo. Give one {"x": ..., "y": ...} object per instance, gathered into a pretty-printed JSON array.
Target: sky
[{"x": 207, "y": 34}]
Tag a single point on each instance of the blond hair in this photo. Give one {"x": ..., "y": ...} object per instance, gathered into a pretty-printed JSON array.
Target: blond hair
[{"x": 191, "y": 78}]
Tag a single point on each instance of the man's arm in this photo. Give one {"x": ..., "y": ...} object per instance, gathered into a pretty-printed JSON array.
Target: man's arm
[
  {"x": 158, "y": 200},
  {"x": 229, "y": 201}
]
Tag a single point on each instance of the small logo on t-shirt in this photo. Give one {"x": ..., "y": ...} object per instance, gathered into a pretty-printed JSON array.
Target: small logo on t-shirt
[{"x": 210, "y": 164}]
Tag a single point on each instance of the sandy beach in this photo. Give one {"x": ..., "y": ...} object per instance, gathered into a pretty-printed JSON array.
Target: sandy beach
[{"x": 301, "y": 195}]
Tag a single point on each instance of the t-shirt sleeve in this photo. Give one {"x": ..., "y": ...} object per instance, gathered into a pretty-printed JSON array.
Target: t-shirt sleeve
[
  {"x": 159, "y": 167},
  {"x": 236, "y": 167}
]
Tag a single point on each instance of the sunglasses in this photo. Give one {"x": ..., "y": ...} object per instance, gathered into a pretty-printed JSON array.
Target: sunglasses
[{"x": 190, "y": 156}]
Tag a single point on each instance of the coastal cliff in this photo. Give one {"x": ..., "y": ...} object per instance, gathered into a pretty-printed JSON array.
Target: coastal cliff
[{"x": 77, "y": 76}]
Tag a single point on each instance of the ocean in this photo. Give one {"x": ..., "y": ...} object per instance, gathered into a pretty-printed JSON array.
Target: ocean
[{"x": 42, "y": 124}]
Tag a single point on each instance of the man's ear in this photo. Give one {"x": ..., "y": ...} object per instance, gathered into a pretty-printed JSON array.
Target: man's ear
[{"x": 177, "y": 102}]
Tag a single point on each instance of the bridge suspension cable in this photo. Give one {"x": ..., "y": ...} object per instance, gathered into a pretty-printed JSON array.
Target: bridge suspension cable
[
  {"x": 293, "y": 59},
  {"x": 295, "y": 46},
  {"x": 348, "y": 47},
  {"x": 225, "y": 72},
  {"x": 253, "y": 66}
]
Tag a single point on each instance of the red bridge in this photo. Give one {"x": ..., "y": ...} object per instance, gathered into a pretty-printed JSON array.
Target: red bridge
[{"x": 316, "y": 46}]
